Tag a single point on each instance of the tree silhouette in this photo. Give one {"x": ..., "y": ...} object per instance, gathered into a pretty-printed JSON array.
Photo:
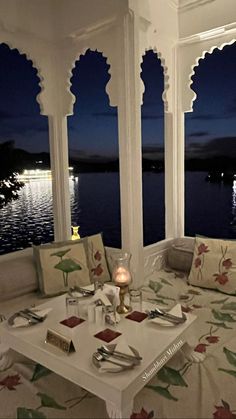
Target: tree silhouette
[{"x": 9, "y": 166}]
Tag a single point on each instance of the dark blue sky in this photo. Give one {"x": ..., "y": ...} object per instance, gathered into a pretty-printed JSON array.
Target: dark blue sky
[{"x": 211, "y": 128}]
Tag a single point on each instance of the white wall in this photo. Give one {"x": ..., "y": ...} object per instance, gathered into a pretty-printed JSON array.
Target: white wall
[{"x": 211, "y": 14}]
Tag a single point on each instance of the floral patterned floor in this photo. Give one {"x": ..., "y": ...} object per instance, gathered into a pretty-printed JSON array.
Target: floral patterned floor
[{"x": 196, "y": 383}]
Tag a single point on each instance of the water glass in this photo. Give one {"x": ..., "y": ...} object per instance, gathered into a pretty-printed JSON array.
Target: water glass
[
  {"x": 135, "y": 299},
  {"x": 72, "y": 306}
]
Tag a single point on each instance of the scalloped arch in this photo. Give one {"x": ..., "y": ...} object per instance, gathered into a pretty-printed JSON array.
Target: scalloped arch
[
  {"x": 196, "y": 64},
  {"x": 29, "y": 57},
  {"x": 165, "y": 73},
  {"x": 73, "y": 65}
]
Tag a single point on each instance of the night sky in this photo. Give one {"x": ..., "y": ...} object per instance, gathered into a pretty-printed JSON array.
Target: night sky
[{"x": 210, "y": 129}]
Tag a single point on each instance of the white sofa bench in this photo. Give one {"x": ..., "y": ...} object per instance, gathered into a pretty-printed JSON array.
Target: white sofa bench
[{"x": 198, "y": 382}]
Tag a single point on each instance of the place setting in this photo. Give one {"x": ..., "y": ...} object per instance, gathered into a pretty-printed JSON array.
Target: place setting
[
  {"x": 28, "y": 317},
  {"x": 171, "y": 318},
  {"x": 115, "y": 358}
]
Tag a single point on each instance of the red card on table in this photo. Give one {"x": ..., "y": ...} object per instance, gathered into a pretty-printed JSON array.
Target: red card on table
[
  {"x": 107, "y": 335},
  {"x": 72, "y": 321},
  {"x": 137, "y": 316}
]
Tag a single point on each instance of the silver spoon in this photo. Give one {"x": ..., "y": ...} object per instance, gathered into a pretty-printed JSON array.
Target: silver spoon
[{"x": 98, "y": 357}]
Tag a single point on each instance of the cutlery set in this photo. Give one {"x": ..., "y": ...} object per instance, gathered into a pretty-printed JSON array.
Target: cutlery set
[
  {"x": 123, "y": 360},
  {"x": 31, "y": 316},
  {"x": 152, "y": 314}
]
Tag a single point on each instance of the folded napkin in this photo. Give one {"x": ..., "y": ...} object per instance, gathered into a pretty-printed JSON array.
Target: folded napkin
[
  {"x": 123, "y": 347},
  {"x": 109, "y": 295},
  {"x": 176, "y": 311},
  {"x": 18, "y": 321}
]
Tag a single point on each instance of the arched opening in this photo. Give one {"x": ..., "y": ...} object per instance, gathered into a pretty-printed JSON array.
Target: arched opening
[
  {"x": 93, "y": 152},
  {"x": 27, "y": 219},
  {"x": 153, "y": 149},
  {"x": 210, "y": 153}
]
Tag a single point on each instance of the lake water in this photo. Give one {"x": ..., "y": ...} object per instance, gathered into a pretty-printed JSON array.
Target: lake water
[{"x": 95, "y": 202}]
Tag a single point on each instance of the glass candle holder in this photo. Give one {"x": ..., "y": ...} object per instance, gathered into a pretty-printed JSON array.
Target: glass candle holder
[{"x": 122, "y": 278}]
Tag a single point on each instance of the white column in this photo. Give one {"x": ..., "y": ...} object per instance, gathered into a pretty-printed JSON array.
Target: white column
[
  {"x": 58, "y": 141},
  {"x": 174, "y": 157},
  {"x": 130, "y": 153}
]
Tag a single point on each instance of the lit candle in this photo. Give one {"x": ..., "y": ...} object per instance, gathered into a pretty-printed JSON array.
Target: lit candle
[{"x": 122, "y": 276}]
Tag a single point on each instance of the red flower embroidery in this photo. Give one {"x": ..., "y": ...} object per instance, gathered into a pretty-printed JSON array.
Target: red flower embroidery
[
  {"x": 223, "y": 412},
  {"x": 98, "y": 270},
  {"x": 197, "y": 262},
  {"x": 221, "y": 278},
  {"x": 212, "y": 339},
  {"x": 227, "y": 263},
  {"x": 186, "y": 309},
  {"x": 202, "y": 248},
  {"x": 98, "y": 255},
  {"x": 11, "y": 381},
  {"x": 201, "y": 347},
  {"x": 142, "y": 415}
]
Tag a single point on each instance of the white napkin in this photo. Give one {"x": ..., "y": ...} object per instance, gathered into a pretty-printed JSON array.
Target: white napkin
[
  {"x": 123, "y": 347},
  {"x": 21, "y": 322},
  {"x": 109, "y": 295},
  {"x": 176, "y": 311}
]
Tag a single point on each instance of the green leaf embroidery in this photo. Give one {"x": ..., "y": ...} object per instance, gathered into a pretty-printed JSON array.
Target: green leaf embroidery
[
  {"x": 61, "y": 253},
  {"x": 224, "y": 317},
  {"x": 48, "y": 401},
  {"x": 23, "y": 413},
  {"x": 155, "y": 286},
  {"x": 194, "y": 292},
  {"x": 67, "y": 265},
  {"x": 163, "y": 392},
  {"x": 220, "y": 301},
  {"x": 220, "y": 325},
  {"x": 170, "y": 376},
  {"x": 231, "y": 372},
  {"x": 40, "y": 372},
  {"x": 229, "y": 306},
  {"x": 231, "y": 356},
  {"x": 164, "y": 281}
]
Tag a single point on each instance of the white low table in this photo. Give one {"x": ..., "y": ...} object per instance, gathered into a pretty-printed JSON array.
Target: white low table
[{"x": 155, "y": 344}]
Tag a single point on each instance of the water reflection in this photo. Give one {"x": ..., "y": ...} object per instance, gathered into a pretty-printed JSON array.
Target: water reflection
[{"x": 27, "y": 220}]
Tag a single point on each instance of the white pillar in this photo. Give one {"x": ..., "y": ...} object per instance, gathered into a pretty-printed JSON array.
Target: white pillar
[
  {"x": 58, "y": 141},
  {"x": 174, "y": 156},
  {"x": 130, "y": 151}
]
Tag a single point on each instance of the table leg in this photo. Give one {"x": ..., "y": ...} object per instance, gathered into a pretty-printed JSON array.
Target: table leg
[{"x": 119, "y": 412}]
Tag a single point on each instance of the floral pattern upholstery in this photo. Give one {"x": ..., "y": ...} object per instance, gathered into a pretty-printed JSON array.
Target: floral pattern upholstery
[{"x": 199, "y": 381}]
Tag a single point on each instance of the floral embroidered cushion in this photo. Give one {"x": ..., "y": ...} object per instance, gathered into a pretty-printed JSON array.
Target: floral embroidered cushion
[
  {"x": 96, "y": 257},
  {"x": 214, "y": 265},
  {"x": 60, "y": 266}
]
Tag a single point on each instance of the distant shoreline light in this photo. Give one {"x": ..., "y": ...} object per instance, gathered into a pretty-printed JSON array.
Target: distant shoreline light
[{"x": 37, "y": 174}]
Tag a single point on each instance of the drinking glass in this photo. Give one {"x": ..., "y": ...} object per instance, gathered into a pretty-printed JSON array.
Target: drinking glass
[{"x": 135, "y": 299}]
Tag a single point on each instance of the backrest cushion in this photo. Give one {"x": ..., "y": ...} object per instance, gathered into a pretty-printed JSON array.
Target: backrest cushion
[
  {"x": 17, "y": 277},
  {"x": 96, "y": 256},
  {"x": 60, "y": 266},
  {"x": 214, "y": 265},
  {"x": 180, "y": 255}
]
